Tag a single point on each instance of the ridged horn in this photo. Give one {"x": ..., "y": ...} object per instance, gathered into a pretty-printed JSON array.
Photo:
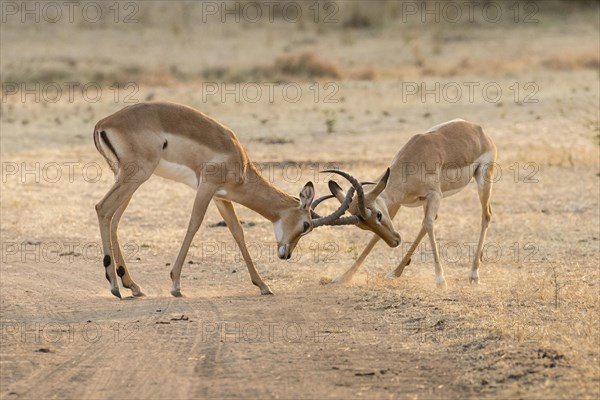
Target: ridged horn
[
  {"x": 329, "y": 219},
  {"x": 347, "y": 220},
  {"x": 362, "y": 210}
]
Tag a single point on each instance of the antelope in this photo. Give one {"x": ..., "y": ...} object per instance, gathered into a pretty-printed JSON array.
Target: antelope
[
  {"x": 182, "y": 144},
  {"x": 430, "y": 167}
]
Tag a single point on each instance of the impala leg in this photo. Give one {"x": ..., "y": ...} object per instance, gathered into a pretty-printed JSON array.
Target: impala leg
[
  {"x": 406, "y": 259},
  {"x": 121, "y": 192},
  {"x": 203, "y": 196},
  {"x": 122, "y": 270},
  {"x": 347, "y": 276},
  {"x": 431, "y": 209},
  {"x": 233, "y": 223},
  {"x": 484, "y": 188}
]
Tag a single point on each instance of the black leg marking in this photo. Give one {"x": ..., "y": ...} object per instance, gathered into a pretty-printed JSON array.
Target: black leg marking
[
  {"x": 409, "y": 260},
  {"x": 106, "y": 261},
  {"x": 121, "y": 271},
  {"x": 171, "y": 275},
  {"x": 165, "y": 144},
  {"x": 106, "y": 276}
]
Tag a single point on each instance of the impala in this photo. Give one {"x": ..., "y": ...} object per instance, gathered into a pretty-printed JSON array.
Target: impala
[
  {"x": 182, "y": 144},
  {"x": 430, "y": 166}
]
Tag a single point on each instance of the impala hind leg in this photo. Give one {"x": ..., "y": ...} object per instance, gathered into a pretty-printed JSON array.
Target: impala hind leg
[
  {"x": 233, "y": 223},
  {"x": 122, "y": 270},
  {"x": 431, "y": 210},
  {"x": 203, "y": 196},
  {"x": 483, "y": 176},
  {"x": 106, "y": 209}
]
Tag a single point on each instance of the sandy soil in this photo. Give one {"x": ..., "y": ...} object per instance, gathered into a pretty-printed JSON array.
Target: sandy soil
[{"x": 529, "y": 330}]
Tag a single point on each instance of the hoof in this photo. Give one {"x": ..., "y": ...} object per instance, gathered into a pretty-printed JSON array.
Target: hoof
[
  {"x": 341, "y": 279},
  {"x": 392, "y": 275},
  {"x": 116, "y": 292},
  {"x": 136, "y": 291},
  {"x": 474, "y": 277},
  {"x": 440, "y": 282},
  {"x": 266, "y": 291},
  {"x": 176, "y": 292}
]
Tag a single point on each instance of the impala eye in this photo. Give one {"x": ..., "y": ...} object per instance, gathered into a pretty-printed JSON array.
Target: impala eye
[
  {"x": 379, "y": 216},
  {"x": 306, "y": 227}
]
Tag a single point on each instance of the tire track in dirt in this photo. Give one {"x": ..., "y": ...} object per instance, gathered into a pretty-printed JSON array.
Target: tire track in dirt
[
  {"x": 198, "y": 346},
  {"x": 176, "y": 340}
]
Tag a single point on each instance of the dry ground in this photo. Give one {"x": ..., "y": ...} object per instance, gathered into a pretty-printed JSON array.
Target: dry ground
[{"x": 530, "y": 330}]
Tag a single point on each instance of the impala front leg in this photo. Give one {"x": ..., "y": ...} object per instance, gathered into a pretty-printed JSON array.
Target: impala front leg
[
  {"x": 347, "y": 276},
  {"x": 203, "y": 196},
  {"x": 233, "y": 224},
  {"x": 406, "y": 259}
]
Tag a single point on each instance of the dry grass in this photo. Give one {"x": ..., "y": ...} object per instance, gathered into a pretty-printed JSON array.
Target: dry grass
[
  {"x": 303, "y": 66},
  {"x": 572, "y": 61}
]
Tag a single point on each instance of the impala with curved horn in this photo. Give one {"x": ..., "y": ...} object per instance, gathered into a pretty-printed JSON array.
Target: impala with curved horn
[
  {"x": 429, "y": 167},
  {"x": 182, "y": 144},
  {"x": 368, "y": 210}
]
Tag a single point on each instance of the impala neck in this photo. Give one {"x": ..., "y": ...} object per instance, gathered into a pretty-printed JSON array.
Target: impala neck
[{"x": 259, "y": 195}]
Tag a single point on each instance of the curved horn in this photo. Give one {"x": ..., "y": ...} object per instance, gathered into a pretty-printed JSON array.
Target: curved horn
[
  {"x": 362, "y": 210},
  {"x": 316, "y": 203},
  {"x": 321, "y": 199},
  {"x": 347, "y": 220},
  {"x": 329, "y": 219}
]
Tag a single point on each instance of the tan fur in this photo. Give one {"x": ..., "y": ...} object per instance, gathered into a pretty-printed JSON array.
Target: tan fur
[
  {"x": 181, "y": 143},
  {"x": 427, "y": 168}
]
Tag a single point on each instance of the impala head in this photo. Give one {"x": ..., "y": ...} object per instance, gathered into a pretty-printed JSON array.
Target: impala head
[
  {"x": 369, "y": 211},
  {"x": 294, "y": 223}
]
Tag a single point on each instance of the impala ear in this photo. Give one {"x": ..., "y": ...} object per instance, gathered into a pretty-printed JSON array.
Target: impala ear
[
  {"x": 336, "y": 190},
  {"x": 376, "y": 191},
  {"x": 307, "y": 194}
]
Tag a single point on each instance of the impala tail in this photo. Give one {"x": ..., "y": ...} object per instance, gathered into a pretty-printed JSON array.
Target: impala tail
[{"x": 106, "y": 148}]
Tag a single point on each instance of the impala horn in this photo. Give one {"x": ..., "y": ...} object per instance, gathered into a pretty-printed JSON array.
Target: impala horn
[
  {"x": 362, "y": 210},
  {"x": 316, "y": 203},
  {"x": 334, "y": 218}
]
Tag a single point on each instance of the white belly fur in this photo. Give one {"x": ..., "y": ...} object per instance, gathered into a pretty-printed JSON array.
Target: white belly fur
[{"x": 177, "y": 172}]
